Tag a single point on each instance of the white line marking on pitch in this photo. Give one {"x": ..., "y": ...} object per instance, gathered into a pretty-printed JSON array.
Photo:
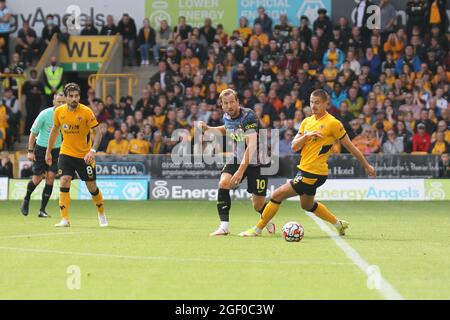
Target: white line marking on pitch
[
  {"x": 162, "y": 258},
  {"x": 44, "y": 235},
  {"x": 384, "y": 287}
]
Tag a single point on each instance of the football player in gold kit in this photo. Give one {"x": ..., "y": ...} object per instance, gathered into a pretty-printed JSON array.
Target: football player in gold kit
[
  {"x": 77, "y": 154},
  {"x": 315, "y": 139}
]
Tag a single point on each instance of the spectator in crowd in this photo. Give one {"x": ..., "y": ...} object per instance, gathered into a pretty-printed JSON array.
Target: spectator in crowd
[
  {"x": 26, "y": 171},
  {"x": 444, "y": 166},
  {"x": 106, "y": 137},
  {"x": 440, "y": 146},
  {"x": 259, "y": 36},
  {"x": 5, "y": 29},
  {"x": 127, "y": 29},
  {"x": 89, "y": 29},
  {"x": 183, "y": 29},
  {"x": 163, "y": 77},
  {"x": 436, "y": 15},
  {"x": 366, "y": 141},
  {"x": 51, "y": 28},
  {"x": 163, "y": 36},
  {"x": 286, "y": 143},
  {"x": 118, "y": 146},
  {"x": 6, "y": 166},
  {"x": 110, "y": 28},
  {"x": 442, "y": 127},
  {"x": 393, "y": 144},
  {"x": 157, "y": 145},
  {"x": 421, "y": 140},
  {"x": 13, "y": 114},
  {"x": 416, "y": 11},
  {"x": 324, "y": 23},
  {"x": 139, "y": 145},
  {"x": 388, "y": 18},
  {"x": 146, "y": 41},
  {"x": 264, "y": 21},
  {"x": 402, "y": 132},
  {"x": 53, "y": 79},
  {"x": 33, "y": 92},
  {"x": 27, "y": 43}
]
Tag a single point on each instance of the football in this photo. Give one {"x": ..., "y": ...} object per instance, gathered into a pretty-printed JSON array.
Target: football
[{"x": 293, "y": 231}]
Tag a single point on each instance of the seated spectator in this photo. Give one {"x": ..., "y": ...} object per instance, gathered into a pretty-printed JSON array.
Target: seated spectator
[
  {"x": 264, "y": 20},
  {"x": 51, "y": 28},
  {"x": 118, "y": 146},
  {"x": 127, "y": 29},
  {"x": 110, "y": 28},
  {"x": 393, "y": 45},
  {"x": 330, "y": 73},
  {"x": 402, "y": 132},
  {"x": 393, "y": 144},
  {"x": 146, "y": 41},
  {"x": 89, "y": 29},
  {"x": 381, "y": 118},
  {"x": 106, "y": 137},
  {"x": 208, "y": 31},
  {"x": 366, "y": 141},
  {"x": 157, "y": 145},
  {"x": 139, "y": 145},
  {"x": 440, "y": 146},
  {"x": 286, "y": 143},
  {"x": 27, "y": 43},
  {"x": 409, "y": 58},
  {"x": 354, "y": 101},
  {"x": 444, "y": 166},
  {"x": 338, "y": 95},
  {"x": 421, "y": 140},
  {"x": 163, "y": 36},
  {"x": 442, "y": 127},
  {"x": 430, "y": 126},
  {"x": 182, "y": 29},
  {"x": 333, "y": 54},
  {"x": 290, "y": 62},
  {"x": 6, "y": 166},
  {"x": 26, "y": 171},
  {"x": 259, "y": 35}
]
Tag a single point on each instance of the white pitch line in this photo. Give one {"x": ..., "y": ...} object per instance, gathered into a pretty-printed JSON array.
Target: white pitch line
[
  {"x": 31, "y": 235},
  {"x": 162, "y": 258},
  {"x": 384, "y": 287}
]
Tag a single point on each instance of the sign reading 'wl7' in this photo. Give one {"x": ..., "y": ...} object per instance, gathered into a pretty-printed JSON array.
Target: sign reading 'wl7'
[{"x": 86, "y": 49}]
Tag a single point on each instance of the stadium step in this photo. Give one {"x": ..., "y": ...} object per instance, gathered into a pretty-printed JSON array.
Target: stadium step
[{"x": 144, "y": 74}]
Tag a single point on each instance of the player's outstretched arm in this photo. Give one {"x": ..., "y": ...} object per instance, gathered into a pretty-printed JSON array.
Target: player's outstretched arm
[
  {"x": 51, "y": 142},
  {"x": 358, "y": 155},
  {"x": 205, "y": 127}
]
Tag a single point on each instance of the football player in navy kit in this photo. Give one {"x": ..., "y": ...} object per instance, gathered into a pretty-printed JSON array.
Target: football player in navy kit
[{"x": 242, "y": 126}]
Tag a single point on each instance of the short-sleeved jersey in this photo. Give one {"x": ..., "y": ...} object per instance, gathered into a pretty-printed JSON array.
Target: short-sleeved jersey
[
  {"x": 75, "y": 126},
  {"x": 237, "y": 129},
  {"x": 120, "y": 148},
  {"x": 316, "y": 151},
  {"x": 137, "y": 146},
  {"x": 42, "y": 126}
]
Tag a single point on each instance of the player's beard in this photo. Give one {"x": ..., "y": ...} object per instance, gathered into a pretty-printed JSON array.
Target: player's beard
[{"x": 73, "y": 105}]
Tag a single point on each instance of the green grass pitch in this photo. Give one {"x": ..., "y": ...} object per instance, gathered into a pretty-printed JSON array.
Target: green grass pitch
[{"x": 162, "y": 250}]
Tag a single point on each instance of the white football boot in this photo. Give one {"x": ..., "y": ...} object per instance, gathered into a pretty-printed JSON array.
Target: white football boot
[
  {"x": 63, "y": 224},
  {"x": 102, "y": 220}
]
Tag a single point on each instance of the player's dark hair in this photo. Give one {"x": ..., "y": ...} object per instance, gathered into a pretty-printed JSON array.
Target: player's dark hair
[
  {"x": 71, "y": 87},
  {"x": 322, "y": 94}
]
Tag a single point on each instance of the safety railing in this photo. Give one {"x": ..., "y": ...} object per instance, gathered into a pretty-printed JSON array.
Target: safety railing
[{"x": 103, "y": 80}]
